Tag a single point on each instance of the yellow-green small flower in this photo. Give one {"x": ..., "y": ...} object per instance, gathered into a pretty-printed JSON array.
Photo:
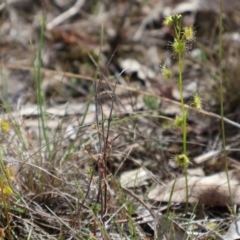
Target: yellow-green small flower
[
  {"x": 177, "y": 17},
  {"x": 4, "y": 126},
  {"x": 166, "y": 72},
  {"x": 7, "y": 190},
  {"x": 189, "y": 33},
  {"x": 168, "y": 21},
  {"x": 182, "y": 160},
  {"x": 172, "y": 19}
]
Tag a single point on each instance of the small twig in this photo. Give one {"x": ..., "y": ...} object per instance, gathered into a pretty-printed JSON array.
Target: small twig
[{"x": 66, "y": 15}]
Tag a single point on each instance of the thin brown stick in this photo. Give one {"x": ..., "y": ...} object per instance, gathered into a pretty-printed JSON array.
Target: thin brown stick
[{"x": 78, "y": 76}]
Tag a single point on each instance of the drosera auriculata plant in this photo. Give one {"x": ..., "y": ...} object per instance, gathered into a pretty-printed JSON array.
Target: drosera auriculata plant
[{"x": 181, "y": 44}]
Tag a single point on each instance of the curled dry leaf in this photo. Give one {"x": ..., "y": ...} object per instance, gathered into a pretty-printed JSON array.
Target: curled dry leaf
[{"x": 212, "y": 190}]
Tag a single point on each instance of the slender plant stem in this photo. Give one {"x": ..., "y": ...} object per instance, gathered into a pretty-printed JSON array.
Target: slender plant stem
[
  {"x": 221, "y": 101},
  {"x": 180, "y": 84},
  {"x": 184, "y": 116}
]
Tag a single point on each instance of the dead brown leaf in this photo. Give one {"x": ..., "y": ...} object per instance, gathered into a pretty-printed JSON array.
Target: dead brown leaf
[{"x": 211, "y": 190}]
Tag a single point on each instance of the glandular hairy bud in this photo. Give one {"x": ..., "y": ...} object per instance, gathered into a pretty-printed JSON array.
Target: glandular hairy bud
[
  {"x": 182, "y": 160},
  {"x": 179, "y": 46},
  {"x": 166, "y": 73},
  {"x": 197, "y": 101}
]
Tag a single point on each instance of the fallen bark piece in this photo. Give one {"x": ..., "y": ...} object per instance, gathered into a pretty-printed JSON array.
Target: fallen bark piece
[{"x": 211, "y": 190}]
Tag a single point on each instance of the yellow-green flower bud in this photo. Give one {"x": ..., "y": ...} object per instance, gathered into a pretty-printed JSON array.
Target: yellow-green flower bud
[
  {"x": 166, "y": 72},
  {"x": 179, "y": 46},
  {"x": 182, "y": 160},
  {"x": 197, "y": 101},
  {"x": 179, "y": 121}
]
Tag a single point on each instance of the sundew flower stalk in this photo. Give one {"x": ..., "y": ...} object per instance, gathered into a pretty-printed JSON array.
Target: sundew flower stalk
[{"x": 182, "y": 43}]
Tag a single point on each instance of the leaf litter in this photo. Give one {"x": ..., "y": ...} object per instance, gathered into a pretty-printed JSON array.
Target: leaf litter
[{"x": 52, "y": 186}]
